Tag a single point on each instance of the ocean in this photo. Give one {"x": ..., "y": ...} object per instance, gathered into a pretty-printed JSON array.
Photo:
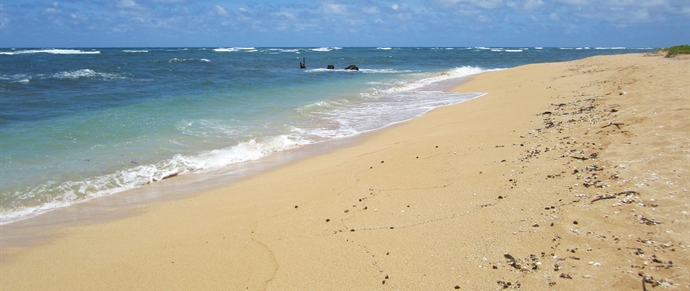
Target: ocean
[{"x": 82, "y": 123}]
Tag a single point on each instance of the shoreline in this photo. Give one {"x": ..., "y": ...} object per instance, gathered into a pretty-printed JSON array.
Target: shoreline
[
  {"x": 232, "y": 172},
  {"x": 39, "y": 228},
  {"x": 493, "y": 192}
]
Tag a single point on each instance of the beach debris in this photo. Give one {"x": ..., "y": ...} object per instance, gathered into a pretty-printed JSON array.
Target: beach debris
[
  {"x": 503, "y": 284},
  {"x": 643, "y": 220},
  {"x": 617, "y": 124},
  {"x": 169, "y": 176},
  {"x": 511, "y": 261},
  {"x": 629, "y": 197}
]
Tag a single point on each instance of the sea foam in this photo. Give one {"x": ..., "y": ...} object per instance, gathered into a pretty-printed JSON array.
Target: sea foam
[{"x": 52, "y": 51}]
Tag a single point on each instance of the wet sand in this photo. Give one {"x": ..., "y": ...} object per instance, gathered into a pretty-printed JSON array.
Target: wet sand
[{"x": 567, "y": 176}]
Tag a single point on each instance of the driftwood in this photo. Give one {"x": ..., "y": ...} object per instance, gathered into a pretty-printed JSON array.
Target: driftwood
[
  {"x": 611, "y": 196},
  {"x": 617, "y": 124}
]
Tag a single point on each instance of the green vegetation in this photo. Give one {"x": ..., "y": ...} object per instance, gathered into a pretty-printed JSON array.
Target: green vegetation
[{"x": 675, "y": 50}]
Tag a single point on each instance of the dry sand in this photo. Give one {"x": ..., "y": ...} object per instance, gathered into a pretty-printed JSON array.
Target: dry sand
[{"x": 565, "y": 176}]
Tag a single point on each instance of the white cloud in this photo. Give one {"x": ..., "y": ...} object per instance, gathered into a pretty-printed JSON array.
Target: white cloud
[
  {"x": 532, "y": 4},
  {"x": 220, "y": 10},
  {"x": 51, "y": 11},
  {"x": 483, "y": 18},
  {"x": 394, "y": 6},
  {"x": 332, "y": 8},
  {"x": 486, "y": 4},
  {"x": 640, "y": 14},
  {"x": 574, "y": 2},
  {"x": 127, "y": 4},
  {"x": 4, "y": 20},
  {"x": 371, "y": 10},
  {"x": 285, "y": 14},
  {"x": 554, "y": 17}
]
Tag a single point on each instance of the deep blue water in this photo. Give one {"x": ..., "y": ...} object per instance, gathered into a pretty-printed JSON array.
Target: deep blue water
[{"x": 77, "y": 124}]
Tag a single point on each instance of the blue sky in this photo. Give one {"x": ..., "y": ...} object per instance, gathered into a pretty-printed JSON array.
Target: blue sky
[{"x": 261, "y": 23}]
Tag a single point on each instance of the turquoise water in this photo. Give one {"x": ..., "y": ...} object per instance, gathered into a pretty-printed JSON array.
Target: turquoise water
[{"x": 78, "y": 124}]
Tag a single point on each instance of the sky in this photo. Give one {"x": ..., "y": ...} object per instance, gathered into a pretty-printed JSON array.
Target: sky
[{"x": 343, "y": 23}]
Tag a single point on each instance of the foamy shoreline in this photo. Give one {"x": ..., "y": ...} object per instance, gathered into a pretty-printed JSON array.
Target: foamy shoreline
[
  {"x": 558, "y": 178},
  {"x": 345, "y": 119}
]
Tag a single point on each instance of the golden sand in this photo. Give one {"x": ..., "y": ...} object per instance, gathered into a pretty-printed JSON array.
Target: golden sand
[{"x": 565, "y": 176}]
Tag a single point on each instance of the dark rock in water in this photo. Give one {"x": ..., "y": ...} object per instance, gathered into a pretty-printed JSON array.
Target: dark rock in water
[
  {"x": 352, "y": 67},
  {"x": 330, "y": 67}
]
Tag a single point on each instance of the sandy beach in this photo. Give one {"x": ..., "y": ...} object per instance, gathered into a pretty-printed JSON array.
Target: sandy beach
[{"x": 564, "y": 176}]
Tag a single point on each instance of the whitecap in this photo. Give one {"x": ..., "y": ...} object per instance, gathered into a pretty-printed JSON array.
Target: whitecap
[
  {"x": 52, "y": 51},
  {"x": 322, "y": 49},
  {"x": 85, "y": 73},
  {"x": 235, "y": 49}
]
